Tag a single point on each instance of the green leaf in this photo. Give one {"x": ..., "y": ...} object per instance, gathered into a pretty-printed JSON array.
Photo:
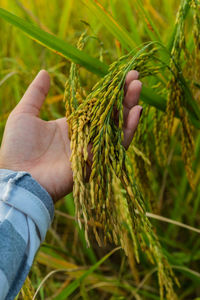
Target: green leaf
[
  {"x": 76, "y": 283},
  {"x": 193, "y": 275},
  {"x": 54, "y": 43},
  {"x": 90, "y": 63},
  {"x": 148, "y": 22},
  {"x": 65, "y": 16},
  {"x": 132, "y": 22},
  {"x": 120, "y": 33},
  {"x": 150, "y": 97}
]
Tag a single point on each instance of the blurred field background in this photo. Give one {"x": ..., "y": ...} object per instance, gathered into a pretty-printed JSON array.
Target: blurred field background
[{"x": 62, "y": 265}]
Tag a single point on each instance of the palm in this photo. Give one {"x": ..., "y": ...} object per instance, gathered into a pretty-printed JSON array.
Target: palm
[{"x": 41, "y": 148}]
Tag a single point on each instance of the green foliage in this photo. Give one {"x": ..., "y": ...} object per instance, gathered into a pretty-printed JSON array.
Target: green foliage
[
  {"x": 158, "y": 163},
  {"x": 55, "y": 44},
  {"x": 75, "y": 284}
]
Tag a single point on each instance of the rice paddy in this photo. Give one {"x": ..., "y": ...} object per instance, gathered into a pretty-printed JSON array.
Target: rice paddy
[{"x": 130, "y": 230}]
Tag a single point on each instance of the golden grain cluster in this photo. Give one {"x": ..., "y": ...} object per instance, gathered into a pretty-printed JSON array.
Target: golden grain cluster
[
  {"x": 108, "y": 182},
  {"x": 105, "y": 191}
]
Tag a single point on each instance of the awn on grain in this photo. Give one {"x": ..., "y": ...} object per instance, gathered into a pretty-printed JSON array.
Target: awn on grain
[{"x": 110, "y": 196}]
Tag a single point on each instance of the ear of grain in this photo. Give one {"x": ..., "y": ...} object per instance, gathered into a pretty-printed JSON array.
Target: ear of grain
[{"x": 113, "y": 199}]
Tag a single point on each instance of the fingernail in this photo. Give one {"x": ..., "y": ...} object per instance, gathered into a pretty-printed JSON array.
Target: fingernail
[{"x": 141, "y": 112}]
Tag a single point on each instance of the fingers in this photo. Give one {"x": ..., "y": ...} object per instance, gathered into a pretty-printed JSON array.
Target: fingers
[
  {"x": 132, "y": 75},
  {"x": 132, "y": 96},
  {"x": 133, "y": 93},
  {"x": 35, "y": 95},
  {"x": 132, "y": 111},
  {"x": 131, "y": 124}
]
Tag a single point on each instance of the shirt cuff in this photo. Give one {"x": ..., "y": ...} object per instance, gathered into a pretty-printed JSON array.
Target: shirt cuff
[{"x": 21, "y": 191}]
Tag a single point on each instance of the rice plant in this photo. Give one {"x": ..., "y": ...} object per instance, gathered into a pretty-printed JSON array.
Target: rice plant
[{"x": 113, "y": 201}]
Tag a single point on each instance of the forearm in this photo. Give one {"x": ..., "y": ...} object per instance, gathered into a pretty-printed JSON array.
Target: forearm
[{"x": 26, "y": 212}]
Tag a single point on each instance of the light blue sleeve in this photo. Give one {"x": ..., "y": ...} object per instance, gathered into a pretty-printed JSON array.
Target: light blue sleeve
[{"x": 26, "y": 212}]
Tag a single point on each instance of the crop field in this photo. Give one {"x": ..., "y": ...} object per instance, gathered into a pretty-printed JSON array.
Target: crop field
[{"x": 131, "y": 228}]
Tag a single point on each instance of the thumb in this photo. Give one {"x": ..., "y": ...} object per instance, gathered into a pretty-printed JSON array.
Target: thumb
[{"x": 35, "y": 95}]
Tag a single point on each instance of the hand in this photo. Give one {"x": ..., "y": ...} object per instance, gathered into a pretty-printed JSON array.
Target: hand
[{"x": 43, "y": 148}]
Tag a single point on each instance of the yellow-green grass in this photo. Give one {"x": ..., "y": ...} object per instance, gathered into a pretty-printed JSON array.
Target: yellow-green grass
[{"x": 65, "y": 247}]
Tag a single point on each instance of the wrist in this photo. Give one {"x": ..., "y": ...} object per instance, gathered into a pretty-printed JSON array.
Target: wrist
[{"x": 6, "y": 166}]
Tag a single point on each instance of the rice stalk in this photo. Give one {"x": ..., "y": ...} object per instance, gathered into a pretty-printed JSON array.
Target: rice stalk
[
  {"x": 176, "y": 94},
  {"x": 109, "y": 194},
  {"x": 111, "y": 197},
  {"x": 196, "y": 61}
]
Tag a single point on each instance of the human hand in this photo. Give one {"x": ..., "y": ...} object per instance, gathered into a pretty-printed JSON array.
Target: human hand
[{"x": 43, "y": 148}]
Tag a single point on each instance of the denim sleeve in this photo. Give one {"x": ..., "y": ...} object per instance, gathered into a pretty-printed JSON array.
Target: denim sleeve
[{"x": 26, "y": 212}]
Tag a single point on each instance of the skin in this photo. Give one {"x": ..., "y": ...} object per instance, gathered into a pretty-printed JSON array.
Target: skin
[{"x": 42, "y": 148}]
